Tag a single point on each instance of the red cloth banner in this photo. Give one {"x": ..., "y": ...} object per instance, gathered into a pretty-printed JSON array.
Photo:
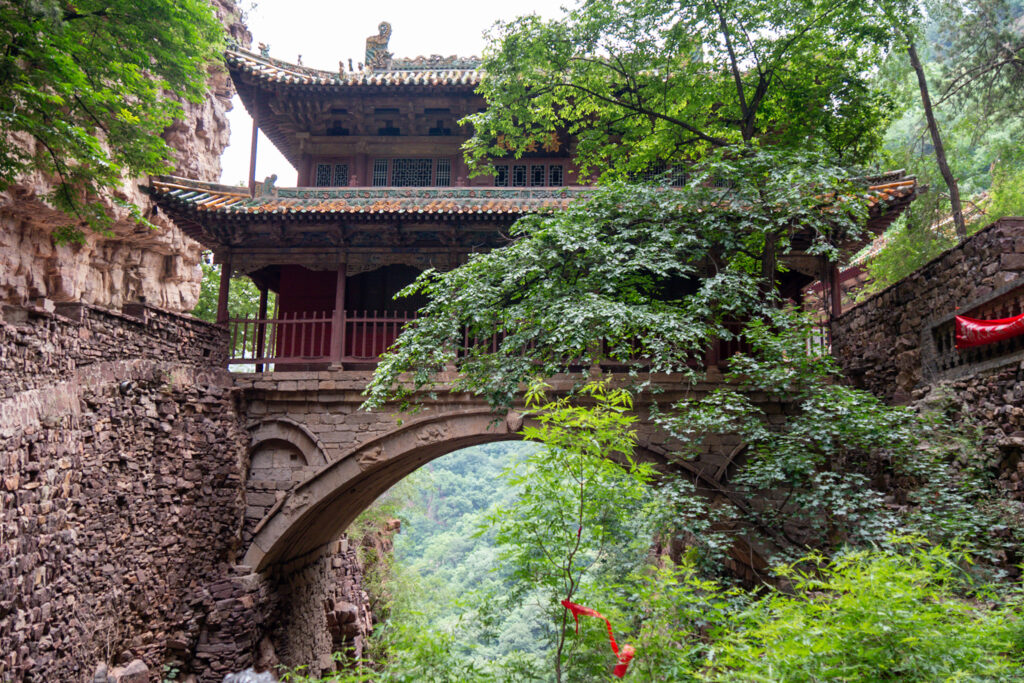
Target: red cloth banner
[
  {"x": 971, "y": 332},
  {"x": 627, "y": 652}
]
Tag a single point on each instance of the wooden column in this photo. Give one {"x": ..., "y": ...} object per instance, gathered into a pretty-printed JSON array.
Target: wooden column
[
  {"x": 222, "y": 295},
  {"x": 338, "y": 322},
  {"x": 836, "y": 290},
  {"x": 261, "y": 327},
  {"x": 252, "y": 158}
]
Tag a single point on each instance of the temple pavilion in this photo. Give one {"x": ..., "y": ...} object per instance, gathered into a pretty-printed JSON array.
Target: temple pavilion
[{"x": 383, "y": 194}]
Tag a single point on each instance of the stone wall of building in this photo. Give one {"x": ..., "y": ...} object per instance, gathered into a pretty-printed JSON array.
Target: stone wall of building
[
  {"x": 135, "y": 263},
  {"x": 898, "y": 344},
  {"x": 887, "y": 343}
]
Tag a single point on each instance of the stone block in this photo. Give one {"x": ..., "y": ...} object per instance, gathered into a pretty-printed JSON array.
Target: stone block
[{"x": 1010, "y": 261}]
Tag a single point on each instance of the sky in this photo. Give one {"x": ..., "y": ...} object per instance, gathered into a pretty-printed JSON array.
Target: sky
[{"x": 325, "y": 31}]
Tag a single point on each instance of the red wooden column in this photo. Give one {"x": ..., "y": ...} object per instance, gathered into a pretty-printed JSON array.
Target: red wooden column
[
  {"x": 261, "y": 327},
  {"x": 222, "y": 295},
  {"x": 338, "y": 322}
]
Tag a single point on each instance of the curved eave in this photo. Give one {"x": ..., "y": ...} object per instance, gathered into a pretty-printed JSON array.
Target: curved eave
[{"x": 208, "y": 211}]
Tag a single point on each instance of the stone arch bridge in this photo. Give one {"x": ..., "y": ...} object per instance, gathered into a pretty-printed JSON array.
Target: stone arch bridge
[{"x": 317, "y": 460}]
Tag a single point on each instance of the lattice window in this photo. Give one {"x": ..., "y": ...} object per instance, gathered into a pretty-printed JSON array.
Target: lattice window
[
  {"x": 380, "y": 172},
  {"x": 555, "y": 175},
  {"x": 537, "y": 173},
  {"x": 519, "y": 176},
  {"x": 341, "y": 175},
  {"x": 443, "y": 175},
  {"x": 501, "y": 175},
  {"x": 411, "y": 172},
  {"x": 323, "y": 175},
  {"x": 661, "y": 172}
]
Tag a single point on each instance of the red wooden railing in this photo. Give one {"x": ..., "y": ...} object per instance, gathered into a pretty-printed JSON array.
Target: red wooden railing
[
  {"x": 369, "y": 334},
  {"x": 305, "y": 339},
  {"x": 292, "y": 338}
]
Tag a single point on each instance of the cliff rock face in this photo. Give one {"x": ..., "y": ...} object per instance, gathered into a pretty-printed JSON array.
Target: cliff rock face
[{"x": 160, "y": 267}]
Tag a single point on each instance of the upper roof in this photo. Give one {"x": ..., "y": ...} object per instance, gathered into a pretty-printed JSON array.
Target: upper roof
[
  {"x": 424, "y": 72},
  {"x": 282, "y": 97}
]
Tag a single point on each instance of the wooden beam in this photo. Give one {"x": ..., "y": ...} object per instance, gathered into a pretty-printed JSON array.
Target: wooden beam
[
  {"x": 836, "y": 290},
  {"x": 261, "y": 327}
]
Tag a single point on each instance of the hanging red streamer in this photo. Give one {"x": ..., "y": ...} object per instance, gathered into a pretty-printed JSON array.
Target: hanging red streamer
[
  {"x": 624, "y": 656},
  {"x": 971, "y": 332}
]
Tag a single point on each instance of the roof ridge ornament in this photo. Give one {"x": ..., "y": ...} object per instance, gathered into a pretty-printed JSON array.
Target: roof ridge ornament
[
  {"x": 377, "y": 56},
  {"x": 268, "y": 188}
]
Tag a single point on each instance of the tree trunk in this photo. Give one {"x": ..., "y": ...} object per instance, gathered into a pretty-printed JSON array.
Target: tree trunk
[{"x": 940, "y": 151}]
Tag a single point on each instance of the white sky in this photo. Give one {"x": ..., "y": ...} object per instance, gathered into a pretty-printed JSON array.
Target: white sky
[{"x": 324, "y": 32}]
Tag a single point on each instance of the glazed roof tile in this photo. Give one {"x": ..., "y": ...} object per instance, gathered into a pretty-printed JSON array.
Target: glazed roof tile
[
  {"x": 226, "y": 200},
  {"x": 204, "y": 209},
  {"x": 424, "y": 71}
]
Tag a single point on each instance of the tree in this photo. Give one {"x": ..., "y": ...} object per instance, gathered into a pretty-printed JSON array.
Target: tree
[
  {"x": 657, "y": 81},
  {"x": 648, "y": 277},
  {"x": 642, "y": 85},
  {"x": 933, "y": 130},
  {"x": 86, "y": 89},
  {"x": 576, "y": 509},
  {"x": 643, "y": 275}
]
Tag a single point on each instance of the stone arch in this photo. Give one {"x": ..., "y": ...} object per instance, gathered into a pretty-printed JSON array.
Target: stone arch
[
  {"x": 288, "y": 431},
  {"x": 282, "y": 452},
  {"x": 319, "y": 508}
]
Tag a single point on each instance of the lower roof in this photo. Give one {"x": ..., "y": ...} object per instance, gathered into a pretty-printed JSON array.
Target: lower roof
[{"x": 203, "y": 209}]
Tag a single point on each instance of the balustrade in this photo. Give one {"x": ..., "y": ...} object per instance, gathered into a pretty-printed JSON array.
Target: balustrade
[
  {"x": 304, "y": 339},
  {"x": 946, "y": 357}
]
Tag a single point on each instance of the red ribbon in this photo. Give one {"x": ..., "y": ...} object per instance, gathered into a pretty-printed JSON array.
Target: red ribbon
[
  {"x": 971, "y": 332},
  {"x": 627, "y": 652}
]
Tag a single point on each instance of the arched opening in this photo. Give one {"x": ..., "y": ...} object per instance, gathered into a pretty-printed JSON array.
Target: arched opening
[{"x": 319, "y": 508}]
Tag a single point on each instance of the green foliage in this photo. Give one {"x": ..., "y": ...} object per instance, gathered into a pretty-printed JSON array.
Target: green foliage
[
  {"x": 243, "y": 300},
  {"x": 1007, "y": 193},
  {"x": 644, "y": 275},
  {"x": 637, "y": 83},
  {"x": 910, "y": 612},
  {"x": 821, "y": 479},
  {"x": 877, "y": 616},
  {"x": 92, "y": 86}
]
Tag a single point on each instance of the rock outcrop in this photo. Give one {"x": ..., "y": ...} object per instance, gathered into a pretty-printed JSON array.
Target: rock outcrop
[{"x": 160, "y": 266}]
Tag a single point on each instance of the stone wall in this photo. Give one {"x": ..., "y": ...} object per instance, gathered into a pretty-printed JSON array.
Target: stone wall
[
  {"x": 121, "y": 451},
  {"x": 135, "y": 263},
  {"x": 123, "y": 458},
  {"x": 324, "y": 607},
  {"x": 886, "y": 343}
]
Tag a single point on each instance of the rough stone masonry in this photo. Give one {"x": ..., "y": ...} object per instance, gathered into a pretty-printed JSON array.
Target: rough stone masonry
[
  {"x": 123, "y": 456},
  {"x": 898, "y": 344}
]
